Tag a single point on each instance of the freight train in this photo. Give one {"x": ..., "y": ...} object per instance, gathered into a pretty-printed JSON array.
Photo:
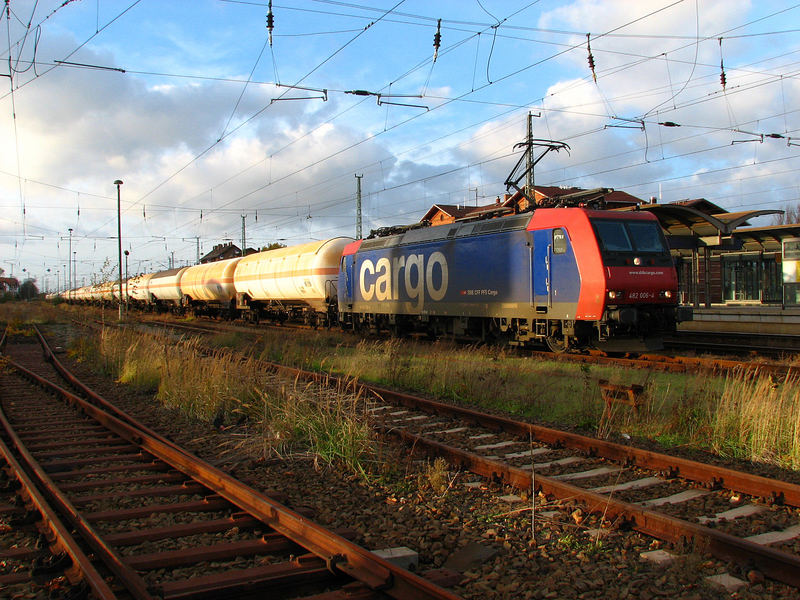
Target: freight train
[{"x": 570, "y": 278}]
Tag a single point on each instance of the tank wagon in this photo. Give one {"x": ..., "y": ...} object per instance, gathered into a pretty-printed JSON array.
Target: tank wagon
[
  {"x": 569, "y": 277},
  {"x": 208, "y": 288},
  {"x": 164, "y": 289},
  {"x": 139, "y": 290},
  {"x": 298, "y": 282}
]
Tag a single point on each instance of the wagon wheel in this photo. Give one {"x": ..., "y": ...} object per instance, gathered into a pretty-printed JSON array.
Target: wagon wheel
[{"x": 557, "y": 343}]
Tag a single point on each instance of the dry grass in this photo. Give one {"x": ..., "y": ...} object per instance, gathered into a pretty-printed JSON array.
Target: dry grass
[
  {"x": 741, "y": 416},
  {"x": 224, "y": 389},
  {"x": 758, "y": 419},
  {"x": 39, "y": 312}
]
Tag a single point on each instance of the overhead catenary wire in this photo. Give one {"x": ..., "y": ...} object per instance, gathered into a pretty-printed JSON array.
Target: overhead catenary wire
[
  {"x": 504, "y": 77},
  {"x": 661, "y": 118}
]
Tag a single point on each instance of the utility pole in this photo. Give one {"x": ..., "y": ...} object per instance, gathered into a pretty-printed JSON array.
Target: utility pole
[
  {"x": 529, "y": 161},
  {"x": 358, "y": 206},
  {"x": 118, "y": 183},
  {"x": 244, "y": 237},
  {"x": 127, "y": 282},
  {"x": 69, "y": 281}
]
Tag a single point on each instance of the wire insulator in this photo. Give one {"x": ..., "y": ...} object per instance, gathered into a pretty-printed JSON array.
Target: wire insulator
[
  {"x": 437, "y": 40},
  {"x": 591, "y": 58},
  {"x": 270, "y": 22},
  {"x": 722, "y": 78}
]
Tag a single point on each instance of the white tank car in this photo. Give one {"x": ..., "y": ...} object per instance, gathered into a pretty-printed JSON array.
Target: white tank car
[
  {"x": 104, "y": 291},
  {"x": 139, "y": 288},
  {"x": 165, "y": 286},
  {"x": 210, "y": 282},
  {"x": 304, "y": 274}
]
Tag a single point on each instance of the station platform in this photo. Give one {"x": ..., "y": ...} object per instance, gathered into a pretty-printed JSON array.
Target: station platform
[{"x": 756, "y": 319}]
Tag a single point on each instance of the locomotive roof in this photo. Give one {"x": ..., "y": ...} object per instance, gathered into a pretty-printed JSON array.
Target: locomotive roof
[{"x": 454, "y": 230}]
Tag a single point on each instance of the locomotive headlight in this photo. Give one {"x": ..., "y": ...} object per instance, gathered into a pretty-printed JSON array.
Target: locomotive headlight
[
  {"x": 666, "y": 294},
  {"x": 637, "y": 261},
  {"x": 615, "y": 295}
]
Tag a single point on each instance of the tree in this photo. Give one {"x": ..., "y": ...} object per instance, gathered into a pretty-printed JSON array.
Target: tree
[
  {"x": 28, "y": 290},
  {"x": 7, "y": 283},
  {"x": 791, "y": 214},
  {"x": 272, "y": 246}
]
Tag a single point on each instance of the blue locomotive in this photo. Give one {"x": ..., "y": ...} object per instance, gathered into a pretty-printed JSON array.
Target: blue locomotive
[{"x": 569, "y": 277}]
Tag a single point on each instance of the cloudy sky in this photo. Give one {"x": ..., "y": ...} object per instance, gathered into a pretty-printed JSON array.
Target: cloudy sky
[{"x": 208, "y": 124}]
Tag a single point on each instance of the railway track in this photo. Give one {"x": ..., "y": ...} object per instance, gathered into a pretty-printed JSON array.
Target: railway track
[
  {"x": 736, "y": 343},
  {"x": 650, "y": 362},
  {"x": 156, "y": 521},
  {"x": 735, "y": 516}
]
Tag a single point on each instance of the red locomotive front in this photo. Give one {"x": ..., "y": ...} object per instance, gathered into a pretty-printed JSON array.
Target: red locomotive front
[{"x": 628, "y": 283}]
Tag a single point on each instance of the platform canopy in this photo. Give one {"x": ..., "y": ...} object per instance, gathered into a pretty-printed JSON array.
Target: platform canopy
[
  {"x": 766, "y": 239},
  {"x": 687, "y": 227}
]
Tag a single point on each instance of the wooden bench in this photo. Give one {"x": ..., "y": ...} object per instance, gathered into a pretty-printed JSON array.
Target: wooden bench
[{"x": 623, "y": 394}]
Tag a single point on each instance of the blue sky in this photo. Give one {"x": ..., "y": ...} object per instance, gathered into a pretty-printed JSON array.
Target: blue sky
[{"x": 179, "y": 100}]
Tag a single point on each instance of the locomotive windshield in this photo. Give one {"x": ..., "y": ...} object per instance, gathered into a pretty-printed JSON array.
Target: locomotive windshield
[{"x": 630, "y": 236}]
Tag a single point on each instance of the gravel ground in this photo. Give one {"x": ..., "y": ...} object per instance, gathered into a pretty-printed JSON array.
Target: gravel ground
[{"x": 571, "y": 555}]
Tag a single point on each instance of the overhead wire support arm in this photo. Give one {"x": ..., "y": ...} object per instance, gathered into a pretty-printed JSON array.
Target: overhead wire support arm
[
  {"x": 380, "y": 98},
  {"x": 638, "y": 124},
  {"x": 88, "y": 66},
  {"x": 382, "y": 102},
  {"x": 324, "y": 93}
]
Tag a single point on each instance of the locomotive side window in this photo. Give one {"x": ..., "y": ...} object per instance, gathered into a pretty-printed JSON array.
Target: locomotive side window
[{"x": 559, "y": 241}]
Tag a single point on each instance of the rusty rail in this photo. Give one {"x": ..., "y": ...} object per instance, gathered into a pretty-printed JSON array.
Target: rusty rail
[
  {"x": 132, "y": 581},
  {"x": 59, "y": 537},
  {"x": 773, "y": 563},
  {"x": 338, "y": 553}
]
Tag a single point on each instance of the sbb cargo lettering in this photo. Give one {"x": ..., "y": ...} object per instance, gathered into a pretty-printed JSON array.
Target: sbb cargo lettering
[{"x": 382, "y": 279}]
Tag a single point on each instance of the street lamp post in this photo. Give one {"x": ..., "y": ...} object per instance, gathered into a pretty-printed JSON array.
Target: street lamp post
[{"x": 118, "y": 183}]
